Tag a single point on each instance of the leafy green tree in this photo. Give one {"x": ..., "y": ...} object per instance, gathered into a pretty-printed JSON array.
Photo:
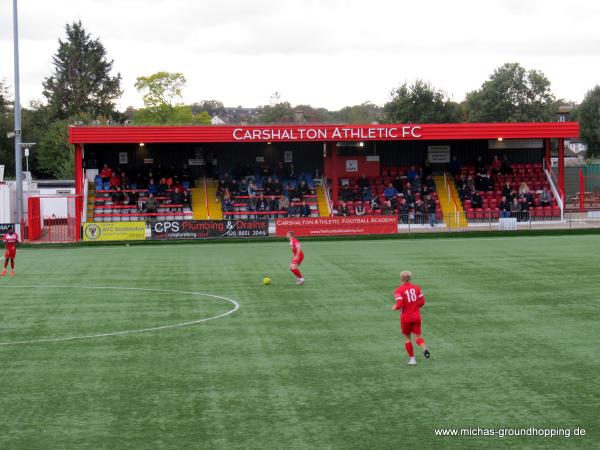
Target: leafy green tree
[
  {"x": 212, "y": 107},
  {"x": 419, "y": 103},
  {"x": 588, "y": 115},
  {"x": 81, "y": 81},
  {"x": 54, "y": 154},
  {"x": 277, "y": 111},
  {"x": 512, "y": 94},
  {"x": 366, "y": 112}
]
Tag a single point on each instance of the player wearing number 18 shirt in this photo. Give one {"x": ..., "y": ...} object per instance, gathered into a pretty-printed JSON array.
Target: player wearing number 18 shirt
[
  {"x": 297, "y": 257},
  {"x": 410, "y": 300}
]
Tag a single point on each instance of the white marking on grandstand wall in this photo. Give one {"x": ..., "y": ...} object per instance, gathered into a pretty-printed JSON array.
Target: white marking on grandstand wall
[{"x": 235, "y": 304}]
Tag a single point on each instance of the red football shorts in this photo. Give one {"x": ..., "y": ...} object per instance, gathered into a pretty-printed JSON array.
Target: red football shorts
[
  {"x": 10, "y": 254},
  {"x": 298, "y": 259},
  {"x": 413, "y": 326}
]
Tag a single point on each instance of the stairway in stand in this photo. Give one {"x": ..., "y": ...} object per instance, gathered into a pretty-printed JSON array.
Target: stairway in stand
[
  {"x": 454, "y": 214},
  {"x": 91, "y": 202},
  {"x": 204, "y": 201},
  {"x": 322, "y": 201}
]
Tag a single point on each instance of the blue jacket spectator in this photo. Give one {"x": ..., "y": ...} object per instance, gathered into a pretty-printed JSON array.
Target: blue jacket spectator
[
  {"x": 390, "y": 191},
  {"x": 152, "y": 187}
]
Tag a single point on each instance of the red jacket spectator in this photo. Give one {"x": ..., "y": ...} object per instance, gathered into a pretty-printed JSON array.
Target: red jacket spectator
[
  {"x": 115, "y": 180},
  {"x": 106, "y": 172}
]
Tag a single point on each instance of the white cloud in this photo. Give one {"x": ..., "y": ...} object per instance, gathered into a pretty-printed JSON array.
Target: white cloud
[{"x": 327, "y": 53}]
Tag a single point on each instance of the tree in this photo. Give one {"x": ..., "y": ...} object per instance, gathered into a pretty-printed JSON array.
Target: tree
[
  {"x": 54, "y": 154},
  {"x": 81, "y": 80},
  {"x": 512, "y": 94},
  {"x": 588, "y": 115},
  {"x": 276, "y": 111},
  {"x": 212, "y": 107},
  {"x": 419, "y": 103},
  {"x": 366, "y": 112},
  {"x": 161, "y": 92}
]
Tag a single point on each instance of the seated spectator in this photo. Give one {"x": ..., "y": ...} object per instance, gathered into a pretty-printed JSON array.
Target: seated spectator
[
  {"x": 221, "y": 188},
  {"x": 523, "y": 189},
  {"x": 186, "y": 177},
  {"x": 261, "y": 204},
  {"x": 524, "y": 209},
  {"x": 133, "y": 198},
  {"x": 125, "y": 180},
  {"x": 227, "y": 204},
  {"x": 305, "y": 209},
  {"x": 480, "y": 166},
  {"x": 106, "y": 173},
  {"x": 363, "y": 182},
  {"x": 177, "y": 184},
  {"x": 303, "y": 189},
  {"x": 162, "y": 185},
  {"x": 390, "y": 191},
  {"x": 347, "y": 194},
  {"x": 515, "y": 208},
  {"x": 375, "y": 204},
  {"x": 294, "y": 196},
  {"x": 365, "y": 193},
  {"x": 430, "y": 203},
  {"x": 410, "y": 199},
  {"x": 545, "y": 198},
  {"x": 425, "y": 191},
  {"x": 403, "y": 210},
  {"x": 252, "y": 189},
  {"x": 243, "y": 189},
  {"x": 359, "y": 210},
  {"x": 387, "y": 210},
  {"x": 426, "y": 169},
  {"x": 411, "y": 173},
  {"x": 504, "y": 207},
  {"x": 118, "y": 197},
  {"x": 176, "y": 197},
  {"x": 420, "y": 211},
  {"x": 115, "y": 180},
  {"x": 268, "y": 187},
  {"x": 343, "y": 209},
  {"x": 152, "y": 187},
  {"x": 476, "y": 200},
  {"x": 455, "y": 166},
  {"x": 277, "y": 188},
  {"x": 140, "y": 181},
  {"x": 399, "y": 183},
  {"x": 284, "y": 203},
  {"x": 416, "y": 183},
  {"x": 470, "y": 183},
  {"x": 234, "y": 188},
  {"x": 461, "y": 182},
  {"x": 151, "y": 204},
  {"x": 187, "y": 198}
]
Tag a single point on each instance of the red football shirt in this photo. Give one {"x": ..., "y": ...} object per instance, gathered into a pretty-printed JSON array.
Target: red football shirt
[
  {"x": 10, "y": 241},
  {"x": 295, "y": 244},
  {"x": 409, "y": 300}
]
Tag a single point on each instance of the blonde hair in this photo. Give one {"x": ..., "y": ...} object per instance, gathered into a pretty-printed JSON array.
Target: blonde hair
[{"x": 405, "y": 275}]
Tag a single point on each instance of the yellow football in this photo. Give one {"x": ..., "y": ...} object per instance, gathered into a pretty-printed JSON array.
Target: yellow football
[{"x": 266, "y": 281}]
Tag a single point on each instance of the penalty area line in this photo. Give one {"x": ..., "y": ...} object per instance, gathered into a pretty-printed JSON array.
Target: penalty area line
[{"x": 235, "y": 304}]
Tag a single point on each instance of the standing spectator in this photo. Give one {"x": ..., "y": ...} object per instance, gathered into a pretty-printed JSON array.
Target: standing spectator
[
  {"x": 411, "y": 174},
  {"x": 496, "y": 165},
  {"x": 545, "y": 198},
  {"x": 427, "y": 169},
  {"x": 504, "y": 207},
  {"x": 106, "y": 173},
  {"x": 387, "y": 208},
  {"x": 506, "y": 190},
  {"x": 455, "y": 166},
  {"x": 523, "y": 189},
  {"x": 268, "y": 187},
  {"x": 506, "y": 168},
  {"x": 151, "y": 204},
  {"x": 430, "y": 202},
  {"x": 375, "y": 204},
  {"x": 403, "y": 210},
  {"x": 152, "y": 187},
  {"x": 524, "y": 209},
  {"x": 515, "y": 208},
  {"x": 187, "y": 198},
  {"x": 480, "y": 166},
  {"x": 420, "y": 210},
  {"x": 125, "y": 180},
  {"x": 227, "y": 204},
  {"x": 277, "y": 188}
]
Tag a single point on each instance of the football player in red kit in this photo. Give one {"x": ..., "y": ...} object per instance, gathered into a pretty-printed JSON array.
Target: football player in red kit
[
  {"x": 297, "y": 257},
  {"x": 10, "y": 241},
  {"x": 409, "y": 300}
]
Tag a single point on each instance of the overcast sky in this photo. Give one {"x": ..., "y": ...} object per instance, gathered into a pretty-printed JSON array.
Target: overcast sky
[{"x": 327, "y": 53}]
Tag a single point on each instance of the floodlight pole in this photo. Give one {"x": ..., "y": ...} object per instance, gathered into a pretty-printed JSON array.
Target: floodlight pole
[{"x": 18, "y": 157}]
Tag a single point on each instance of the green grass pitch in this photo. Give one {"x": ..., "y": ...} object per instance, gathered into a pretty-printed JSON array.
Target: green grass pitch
[{"x": 513, "y": 325}]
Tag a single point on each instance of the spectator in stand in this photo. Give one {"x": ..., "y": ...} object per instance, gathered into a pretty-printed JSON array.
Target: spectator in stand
[
  {"x": 305, "y": 209},
  {"x": 363, "y": 182},
  {"x": 403, "y": 210},
  {"x": 227, "y": 204},
  {"x": 410, "y": 199},
  {"x": 455, "y": 166},
  {"x": 387, "y": 208},
  {"x": 347, "y": 194},
  {"x": 430, "y": 202},
  {"x": 496, "y": 165},
  {"x": 277, "y": 188},
  {"x": 416, "y": 184},
  {"x": 106, "y": 173},
  {"x": 506, "y": 191},
  {"x": 504, "y": 207},
  {"x": 545, "y": 198},
  {"x": 476, "y": 200},
  {"x": 274, "y": 203},
  {"x": 365, "y": 193},
  {"x": 151, "y": 204},
  {"x": 162, "y": 185},
  {"x": 177, "y": 197},
  {"x": 243, "y": 189},
  {"x": 506, "y": 168},
  {"x": 343, "y": 209},
  {"x": 390, "y": 191},
  {"x": 268, "y": 187},
  {"x": 118, "y": 197},
  {"x": 375, "y": 204},
  {"x": 187, "y": 198},
  {"x": 133, "y": 198},
  {"x": 359, "y": 210},
  {"x": 125, "y": 180},
  {"x": 291, "y": 172},
  {"x": 470, "y": 183},
  {"x": 461, "y": 182},
  {"x": 523, "y": 189},
  {"x": 221, "y": 188},
  {"x": 114, "y": 180},
  {"x": 303, "y": 189},
  {"x": 252, "y": 189},
  {"x": 394, "y": 202},
  {"x": 524, "y": 209},
  {"x": 480, "y": 166},
  {"x": 261, "y": 204},
  {"x": 186, "y": 177},
  {"x": 411, "y": 174},
  {"x": 398, "y": 183},
  {"x": 515, "y": 208},
  {"x": 280, "y": 170},
  {"x": 234, "y": 188},
  {"x": 152, "y": 187},
  {"x": 425, "y": 191},
  {"x": 140, "y": 181},
  {"x": 420, "y": 210},
  {"x": 426, "y": 169},
  {"x": 284, "y": 203},
  {"x": 177, "y": 184}
]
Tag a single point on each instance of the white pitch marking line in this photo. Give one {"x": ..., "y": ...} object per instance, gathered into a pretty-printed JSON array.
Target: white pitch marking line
[{"x": 235, "y": 304}]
